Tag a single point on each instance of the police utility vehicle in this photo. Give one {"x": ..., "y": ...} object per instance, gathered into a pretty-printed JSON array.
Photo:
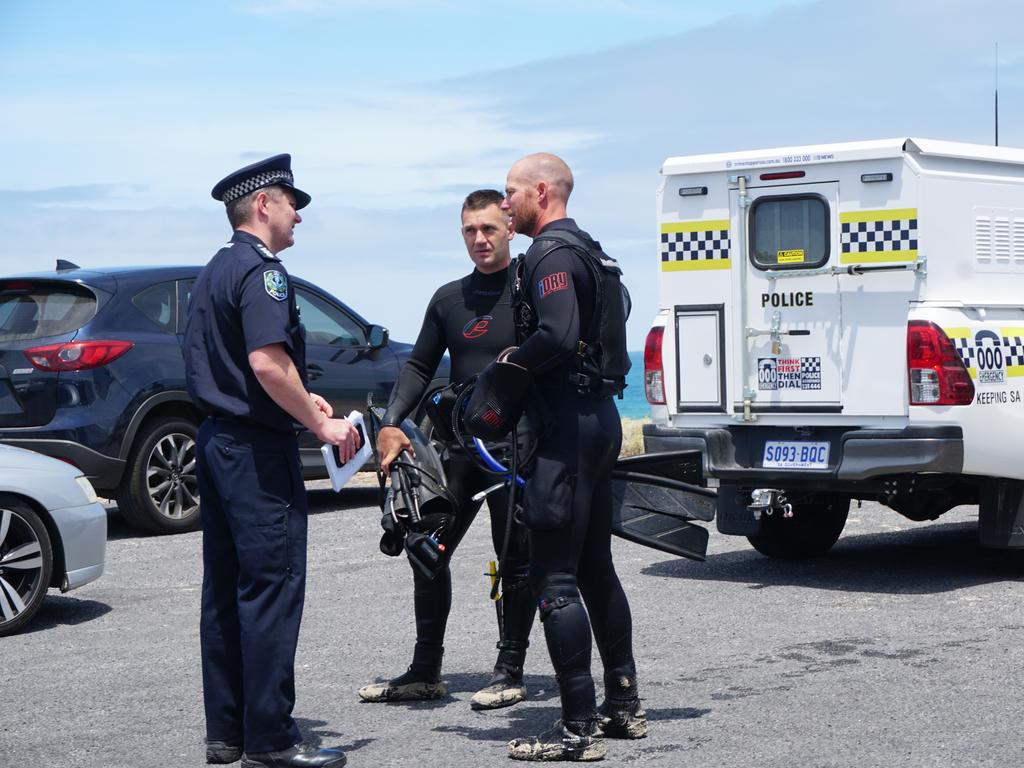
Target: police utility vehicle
[{"x": 843, "y": 322}]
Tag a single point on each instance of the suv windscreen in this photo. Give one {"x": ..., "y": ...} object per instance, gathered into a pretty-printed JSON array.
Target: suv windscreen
[
  {"x": 37, "y": 310},
  {"x": 789, "y": 232}
]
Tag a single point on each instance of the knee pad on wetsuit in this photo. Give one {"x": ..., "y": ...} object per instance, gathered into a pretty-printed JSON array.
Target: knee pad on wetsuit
[
  {"x": 556, "y": 594},
  {"x": 548, "y": 496}
]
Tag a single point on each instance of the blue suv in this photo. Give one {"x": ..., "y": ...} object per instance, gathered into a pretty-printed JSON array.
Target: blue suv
[{"x": 91, "y": 372}]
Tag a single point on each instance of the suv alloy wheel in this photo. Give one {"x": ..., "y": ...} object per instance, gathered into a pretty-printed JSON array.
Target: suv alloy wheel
[{"x": 160, "y": 491}]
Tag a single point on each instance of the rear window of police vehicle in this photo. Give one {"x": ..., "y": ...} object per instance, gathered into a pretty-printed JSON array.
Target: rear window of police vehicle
[
  {"x": 36, "y": 310},
  {"x": 789, "y": 232}
]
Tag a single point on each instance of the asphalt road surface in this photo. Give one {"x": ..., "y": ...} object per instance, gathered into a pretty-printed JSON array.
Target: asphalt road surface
[{"x": 903, "y": 647}]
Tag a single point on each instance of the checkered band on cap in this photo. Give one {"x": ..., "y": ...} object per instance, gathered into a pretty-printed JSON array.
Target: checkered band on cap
[{"x": 260, "y": 180}]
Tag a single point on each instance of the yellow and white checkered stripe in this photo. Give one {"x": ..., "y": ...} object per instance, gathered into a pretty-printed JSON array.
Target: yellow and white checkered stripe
[
  {"x": 1011, "y": 350},
  {"x": 691, "y": 245},
  {"x": 878, "y": 236}
]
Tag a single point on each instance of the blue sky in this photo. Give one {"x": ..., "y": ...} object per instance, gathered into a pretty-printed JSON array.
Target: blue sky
[{"x": 120, "y": 116}]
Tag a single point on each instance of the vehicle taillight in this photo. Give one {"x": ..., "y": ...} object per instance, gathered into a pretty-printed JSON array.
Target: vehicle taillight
[
  {"x": 937, "y": 374},
  {"x": 76, "y": 355},
  {"x": 654, "y": 371}
]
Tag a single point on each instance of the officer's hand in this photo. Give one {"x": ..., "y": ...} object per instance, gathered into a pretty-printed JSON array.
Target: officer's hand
[
  {"x": 324, "y": 407},
  {"x": 390, "y": 442},
  {"x": 341, "y": 433}
]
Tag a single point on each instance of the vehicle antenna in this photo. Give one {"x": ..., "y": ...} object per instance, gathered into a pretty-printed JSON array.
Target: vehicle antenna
[{"x": 997, "y": 94}]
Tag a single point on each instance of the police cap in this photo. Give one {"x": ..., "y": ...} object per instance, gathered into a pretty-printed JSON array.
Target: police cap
[{"x": 275, "y": 171}]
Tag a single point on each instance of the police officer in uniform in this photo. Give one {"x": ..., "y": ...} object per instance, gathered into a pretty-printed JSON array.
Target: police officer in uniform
[
  {"x": 567, "y": 499},
  {"x": 471, "y": 318},
  {"x": 245, "y": 365}
]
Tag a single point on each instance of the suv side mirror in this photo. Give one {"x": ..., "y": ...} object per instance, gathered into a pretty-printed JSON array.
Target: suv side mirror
[{"x": 377, "y": 336}]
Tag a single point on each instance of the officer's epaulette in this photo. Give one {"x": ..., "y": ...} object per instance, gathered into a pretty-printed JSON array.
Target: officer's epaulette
[{"x": 264, "y": 252}]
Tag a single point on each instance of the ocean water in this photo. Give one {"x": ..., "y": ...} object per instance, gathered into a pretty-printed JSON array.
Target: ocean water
[{"x": 633, "y": 404}]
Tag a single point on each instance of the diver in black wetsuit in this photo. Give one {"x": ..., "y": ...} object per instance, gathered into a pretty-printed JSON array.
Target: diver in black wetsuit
[
  {"x": 567, "y": 499},
  {"x": 472, "y": 319}
]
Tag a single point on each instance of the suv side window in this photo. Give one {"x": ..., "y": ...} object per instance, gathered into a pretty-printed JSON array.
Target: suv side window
[
  {"x": 327, "y": 324},
  {"x": 789, "y": 232},
  {"x": 159, "y": 303}
]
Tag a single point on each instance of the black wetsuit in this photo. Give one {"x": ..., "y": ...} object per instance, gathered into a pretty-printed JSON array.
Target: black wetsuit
[
  {"x": 567, "y": 500},
  {"x": 472, "y": 319}
]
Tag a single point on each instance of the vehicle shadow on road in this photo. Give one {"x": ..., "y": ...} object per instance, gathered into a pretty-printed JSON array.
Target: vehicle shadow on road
[
  {"x": 118, "y": 528},
  {"x": 61, "y": 611},
  {"x": 326, "y": 500},
  {"x": 931, "y": 559}
]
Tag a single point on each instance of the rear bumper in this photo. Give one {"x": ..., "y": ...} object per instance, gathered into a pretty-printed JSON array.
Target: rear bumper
[
  {"x": 104, "y": 472},
  {"x": 734, "y": 454}
]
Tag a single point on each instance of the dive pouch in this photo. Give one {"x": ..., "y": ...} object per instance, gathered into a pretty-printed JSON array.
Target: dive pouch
[
  {"x": 548, "y": 495},
  {"x": 425, "y": 553}
]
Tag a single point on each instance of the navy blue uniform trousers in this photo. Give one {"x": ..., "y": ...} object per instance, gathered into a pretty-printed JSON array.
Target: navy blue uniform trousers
[{"x": 254, "y": 515}]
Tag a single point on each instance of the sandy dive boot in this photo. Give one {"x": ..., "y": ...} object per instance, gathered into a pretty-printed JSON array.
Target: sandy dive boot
[
  {"x": 571, "y": 741},
  {"x": 414, "y": 685},
  {"x": 621, "y": 716},
  {"x": 505, "y": 689}
]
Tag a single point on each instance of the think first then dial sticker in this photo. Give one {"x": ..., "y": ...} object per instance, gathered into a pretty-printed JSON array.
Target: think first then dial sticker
[{"x": 788, "y": 373}]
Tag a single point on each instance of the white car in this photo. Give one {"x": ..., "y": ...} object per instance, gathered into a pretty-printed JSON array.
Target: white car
[{"x": 53, "y": 532}]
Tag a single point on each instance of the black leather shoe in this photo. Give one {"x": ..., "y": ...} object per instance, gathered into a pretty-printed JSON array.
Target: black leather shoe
[
  {"x": 299, "y": 756},
  {"x": 222, "y": 753}
]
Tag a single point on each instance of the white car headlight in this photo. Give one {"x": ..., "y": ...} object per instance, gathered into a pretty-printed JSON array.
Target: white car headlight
[{"x": 86, "y": 486}]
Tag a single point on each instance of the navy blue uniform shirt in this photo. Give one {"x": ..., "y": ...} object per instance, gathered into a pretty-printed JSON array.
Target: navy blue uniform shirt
[{"x": 241, "y": 301}]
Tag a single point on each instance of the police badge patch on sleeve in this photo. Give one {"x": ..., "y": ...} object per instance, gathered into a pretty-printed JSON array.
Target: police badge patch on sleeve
[{"x": 276, "y": 284}]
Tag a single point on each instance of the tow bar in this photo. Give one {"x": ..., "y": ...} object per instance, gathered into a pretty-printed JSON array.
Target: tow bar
[{"x": 767, "y": 501}]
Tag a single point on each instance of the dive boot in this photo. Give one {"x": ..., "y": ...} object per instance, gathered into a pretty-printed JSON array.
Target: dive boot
[
  {"x": 505, "y": 689},
  {"x": 412, "y": 686},
  {"x": 621, "y": 716},
  {"x": 573, "y": 741}
]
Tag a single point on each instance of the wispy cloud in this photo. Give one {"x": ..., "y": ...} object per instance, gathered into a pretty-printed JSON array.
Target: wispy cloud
[
  {"x": 78, "y": 195},
  {"x": 656, "y": 7},
  {"x": 383, "y": 149},
  {"x": 270, "y": 7}
]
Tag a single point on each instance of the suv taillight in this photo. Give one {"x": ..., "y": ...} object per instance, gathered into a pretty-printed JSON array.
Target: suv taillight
[
  {"x": 937, "y": 374},
  {"x": 76, "y": 355},
  {"x": 654, "y": 371}
]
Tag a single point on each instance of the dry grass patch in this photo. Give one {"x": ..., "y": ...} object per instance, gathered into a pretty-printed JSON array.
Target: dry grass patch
[{"x": 632, "y": 437}]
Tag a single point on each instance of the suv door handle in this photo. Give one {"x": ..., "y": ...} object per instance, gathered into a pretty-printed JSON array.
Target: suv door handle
[{"x": 313, "y": 371}]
